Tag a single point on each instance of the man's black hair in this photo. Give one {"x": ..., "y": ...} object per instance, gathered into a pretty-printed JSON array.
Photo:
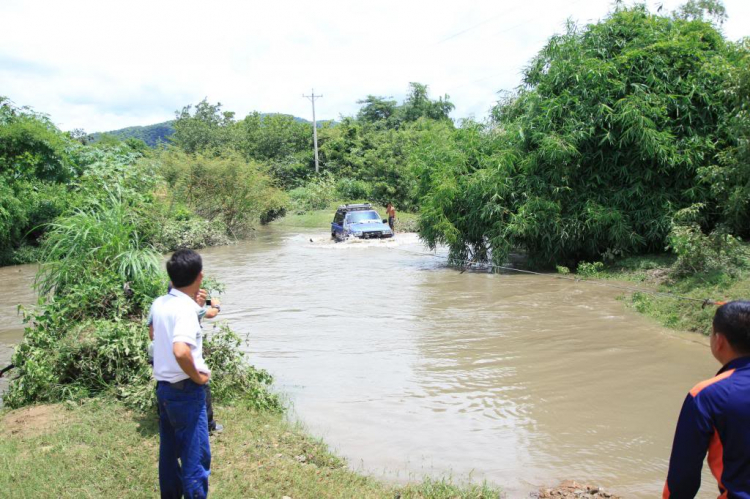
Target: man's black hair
[
  {"x": 183, "y": 267},
  {"x": 733, "y": 321}
]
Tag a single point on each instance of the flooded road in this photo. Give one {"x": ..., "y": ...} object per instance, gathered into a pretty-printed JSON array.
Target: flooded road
[{"x": 407, "y": 367}]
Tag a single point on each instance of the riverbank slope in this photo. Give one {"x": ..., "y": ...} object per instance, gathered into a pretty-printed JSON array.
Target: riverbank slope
[
  {"x": 690, "y": 300},
  {"x": 101, "y": 449}
]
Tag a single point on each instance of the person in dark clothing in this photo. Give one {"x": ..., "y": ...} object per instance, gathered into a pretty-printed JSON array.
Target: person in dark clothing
[{"x": 715, "y": 416}]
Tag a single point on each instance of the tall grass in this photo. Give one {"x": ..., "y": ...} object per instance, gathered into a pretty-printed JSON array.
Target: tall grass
[{"x": 102, "y": 237}]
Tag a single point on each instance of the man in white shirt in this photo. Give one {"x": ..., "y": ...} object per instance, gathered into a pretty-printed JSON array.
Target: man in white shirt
[{"x": 181, "y": 375}]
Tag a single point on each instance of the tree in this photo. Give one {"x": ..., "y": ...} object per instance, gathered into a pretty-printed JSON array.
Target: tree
[
  {"x": 699, "y": 10},
  {"x": 206, "y": 129},
  {"x": 225, "y": 189},
  {"x": 729, "y": 179},
  {"x": 264, "y": 137},
  {"x": 418, "y": 105},
  {"x": 31, "y": 147},
  {"x": 376, "y": 109},
  {"x": 595, "y": 153}
]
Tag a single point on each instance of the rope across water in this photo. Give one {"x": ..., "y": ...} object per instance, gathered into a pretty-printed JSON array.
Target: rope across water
[{"x": 599, "y": 282}]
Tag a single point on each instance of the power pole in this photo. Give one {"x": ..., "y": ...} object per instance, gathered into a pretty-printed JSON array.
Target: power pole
[{"x": 312, "y": 98}]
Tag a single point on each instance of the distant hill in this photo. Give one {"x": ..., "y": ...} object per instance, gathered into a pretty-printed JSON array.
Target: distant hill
[{"x": 153, "y": 135}]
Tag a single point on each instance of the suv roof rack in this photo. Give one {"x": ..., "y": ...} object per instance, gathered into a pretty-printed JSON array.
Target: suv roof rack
[{"x": 355, "y": 207}]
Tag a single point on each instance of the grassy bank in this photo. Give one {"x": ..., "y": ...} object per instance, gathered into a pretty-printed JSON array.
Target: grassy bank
[
  {"x": 321, "y": 219},
  {"x": 102, "y": 449},
  {"x": 656, "y": 272}
]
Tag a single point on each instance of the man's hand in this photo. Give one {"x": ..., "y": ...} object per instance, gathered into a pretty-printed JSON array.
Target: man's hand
[
  {"x": 184, "y": 357},
  {"x": 201, "y": 296},
  {"x": 214, "y": 309}
]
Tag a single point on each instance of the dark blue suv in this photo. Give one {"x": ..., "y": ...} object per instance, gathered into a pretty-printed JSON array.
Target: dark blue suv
[{"x": 358, "y": 220}]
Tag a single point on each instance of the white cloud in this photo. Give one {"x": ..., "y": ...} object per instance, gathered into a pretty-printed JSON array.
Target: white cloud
[{"x": 105, "y": 65}]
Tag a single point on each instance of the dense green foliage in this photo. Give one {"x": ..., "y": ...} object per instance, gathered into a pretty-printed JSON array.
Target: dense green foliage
[
  {"x": 385, "y": 113},
  {"x": 89, "y": 337},
  {"x": 618, "y": 126},
  {"x": 175, "y": 199},
  {"x": 36, "y": 160},
  {"x": 85, "y": 243},
  {"x": 225, "y": 190},
  {"x": 98, "y": 212},
  {"x": 366, "y": 156}
]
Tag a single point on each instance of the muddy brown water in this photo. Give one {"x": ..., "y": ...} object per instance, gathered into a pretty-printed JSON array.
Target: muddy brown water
[
  {"x": 407, "y": 367},
  {"x": 17, "y": 285}
]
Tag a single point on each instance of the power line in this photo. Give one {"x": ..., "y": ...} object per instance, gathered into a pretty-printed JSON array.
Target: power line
[
  {"x": 471, "y": 28},
  {"x": 535, "y": 18},
  {"x": 476, "y": 81}
]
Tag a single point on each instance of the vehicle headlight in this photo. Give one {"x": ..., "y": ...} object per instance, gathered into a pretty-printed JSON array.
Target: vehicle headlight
[{"x": 356, "y": 233}]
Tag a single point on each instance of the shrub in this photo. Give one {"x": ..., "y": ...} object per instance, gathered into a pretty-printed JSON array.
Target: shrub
[
  {"x": 93, "y": 241},
  {"x": 586, "y": 269},
  {"x": 67, "y": 355},
  {"x": 349, "y": 189},
  {"x": 700, "y": 252},
  {"x": 224, "y": 189},
  {"x": 316, "y": 195},
  {"x": 194, "y": 233},
  {"x": 233, "y": 379},
  {"x": 89, "y": 337}
]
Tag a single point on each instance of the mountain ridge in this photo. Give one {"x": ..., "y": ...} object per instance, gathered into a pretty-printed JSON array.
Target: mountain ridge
[{"x": 159, "y": 133}]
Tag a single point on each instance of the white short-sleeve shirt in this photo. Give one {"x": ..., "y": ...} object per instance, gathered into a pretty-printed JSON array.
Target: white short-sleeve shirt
[{"x": 175, "y": 319}]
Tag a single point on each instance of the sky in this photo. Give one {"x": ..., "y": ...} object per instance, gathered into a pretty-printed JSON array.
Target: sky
[{"x": 104, "y": 65}]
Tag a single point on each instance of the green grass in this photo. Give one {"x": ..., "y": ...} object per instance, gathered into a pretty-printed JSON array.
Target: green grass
[
  {"x": 101, "y": 449},
  {"x": 653, "y": 272},
  {"x": 321, "y": 219}
]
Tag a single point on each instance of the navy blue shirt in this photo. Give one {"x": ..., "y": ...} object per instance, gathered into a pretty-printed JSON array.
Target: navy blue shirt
[{"x": 715, "y": 419}]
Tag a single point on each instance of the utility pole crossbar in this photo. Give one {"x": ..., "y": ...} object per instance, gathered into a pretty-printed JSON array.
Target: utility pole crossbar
[{"x": 312, "y": 98}]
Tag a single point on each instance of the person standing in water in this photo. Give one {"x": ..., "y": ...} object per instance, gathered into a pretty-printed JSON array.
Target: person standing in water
[
  {"x": 715, "y": 417},
  {"x": 391, "y": 211}
]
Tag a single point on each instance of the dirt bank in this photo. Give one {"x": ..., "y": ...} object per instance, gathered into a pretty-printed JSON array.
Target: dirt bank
[{"x": 573, "y": 490}]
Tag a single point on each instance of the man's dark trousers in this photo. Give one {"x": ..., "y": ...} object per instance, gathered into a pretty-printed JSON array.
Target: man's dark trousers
[{"x": 183, "y": 432}]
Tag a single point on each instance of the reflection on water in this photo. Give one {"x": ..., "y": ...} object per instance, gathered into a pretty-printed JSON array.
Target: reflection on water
[{"x": 407, "y": 367}]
